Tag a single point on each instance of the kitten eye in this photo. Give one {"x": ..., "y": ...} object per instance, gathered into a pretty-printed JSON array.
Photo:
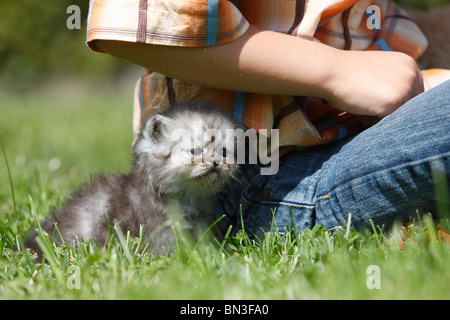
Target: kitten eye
[
  {"x": 223, "y": 152},
  {"x": 196, "y": 151}
]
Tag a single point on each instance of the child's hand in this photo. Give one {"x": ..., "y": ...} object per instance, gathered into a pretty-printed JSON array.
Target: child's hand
[{"x": 374, "y": 83}]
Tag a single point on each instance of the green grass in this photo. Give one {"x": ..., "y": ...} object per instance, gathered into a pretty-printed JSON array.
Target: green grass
[{"x": 89, "y": 133}]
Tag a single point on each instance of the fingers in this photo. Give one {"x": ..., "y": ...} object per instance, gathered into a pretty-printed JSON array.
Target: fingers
[
  {"x": 420, "y": 85},
  {"x": 412, "y": 79}
]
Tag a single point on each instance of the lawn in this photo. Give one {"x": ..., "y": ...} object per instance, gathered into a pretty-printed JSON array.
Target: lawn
[{"x": 56, "y": 137}]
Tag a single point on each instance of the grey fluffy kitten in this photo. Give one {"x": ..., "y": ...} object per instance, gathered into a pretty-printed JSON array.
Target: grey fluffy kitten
[{"x": 181, "y": 160}]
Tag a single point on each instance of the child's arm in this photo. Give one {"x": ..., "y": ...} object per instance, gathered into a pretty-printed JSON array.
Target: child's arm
[{"x": 365, "y": 83}]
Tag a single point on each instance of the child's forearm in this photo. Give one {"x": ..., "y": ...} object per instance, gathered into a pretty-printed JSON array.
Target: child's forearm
[
  {"x": 259, "y": 61},
  {"x": 273, "y": 63}
]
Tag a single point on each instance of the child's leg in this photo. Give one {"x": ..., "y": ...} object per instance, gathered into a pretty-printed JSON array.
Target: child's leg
[
  {"x": 383, "y": 174},
  {"x": 389, "y": 171}
]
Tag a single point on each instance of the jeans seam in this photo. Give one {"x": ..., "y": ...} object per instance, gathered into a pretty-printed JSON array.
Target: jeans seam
[
  {"x": 326, "y": 196},
  {"x": 277, "y": 204}
]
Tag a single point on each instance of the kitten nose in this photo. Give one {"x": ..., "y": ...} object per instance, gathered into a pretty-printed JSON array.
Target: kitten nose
[{"x": 215, "y": 160}]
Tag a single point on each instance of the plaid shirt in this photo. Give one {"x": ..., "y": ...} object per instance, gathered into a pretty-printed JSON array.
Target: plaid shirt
[{"x": 302, "y": 121}]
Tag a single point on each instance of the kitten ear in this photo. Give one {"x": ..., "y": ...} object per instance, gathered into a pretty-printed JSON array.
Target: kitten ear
[{"x": 155, "y": 127}]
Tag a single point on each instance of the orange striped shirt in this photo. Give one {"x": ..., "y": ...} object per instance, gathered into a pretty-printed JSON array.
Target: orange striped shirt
[{"x": 302, "y": 121}]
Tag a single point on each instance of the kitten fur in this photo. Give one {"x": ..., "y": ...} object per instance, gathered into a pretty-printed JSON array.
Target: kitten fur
[{"x": 171, "y": 181}]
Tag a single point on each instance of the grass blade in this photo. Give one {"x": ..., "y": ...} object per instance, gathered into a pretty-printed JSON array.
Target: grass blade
[
  {"x": 11, "y": 184},
  {"x": 123, "y": 243},
  {"x": 207, "y": 230}
]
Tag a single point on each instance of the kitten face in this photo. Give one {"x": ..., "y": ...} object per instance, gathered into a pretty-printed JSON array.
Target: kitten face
[{"x": 188, "y": 150}]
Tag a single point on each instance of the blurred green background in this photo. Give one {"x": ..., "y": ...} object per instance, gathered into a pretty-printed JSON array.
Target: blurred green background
[
  {"x": 36, "y": 45},
  {"x": 65, "y": 111}
]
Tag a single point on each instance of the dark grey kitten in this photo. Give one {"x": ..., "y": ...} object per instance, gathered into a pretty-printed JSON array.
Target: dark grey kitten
[{"x": 182, "y": 158}]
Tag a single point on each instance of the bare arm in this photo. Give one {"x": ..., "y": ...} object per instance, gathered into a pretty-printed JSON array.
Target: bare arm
[{"x": 366, "y": 83}]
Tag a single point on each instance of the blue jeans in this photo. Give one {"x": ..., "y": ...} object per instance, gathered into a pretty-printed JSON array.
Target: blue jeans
[{"x": 383, "y": 174}]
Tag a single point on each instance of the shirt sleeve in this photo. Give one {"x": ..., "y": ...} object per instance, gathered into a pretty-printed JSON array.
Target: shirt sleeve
[{"x": 185, "y": 23}]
